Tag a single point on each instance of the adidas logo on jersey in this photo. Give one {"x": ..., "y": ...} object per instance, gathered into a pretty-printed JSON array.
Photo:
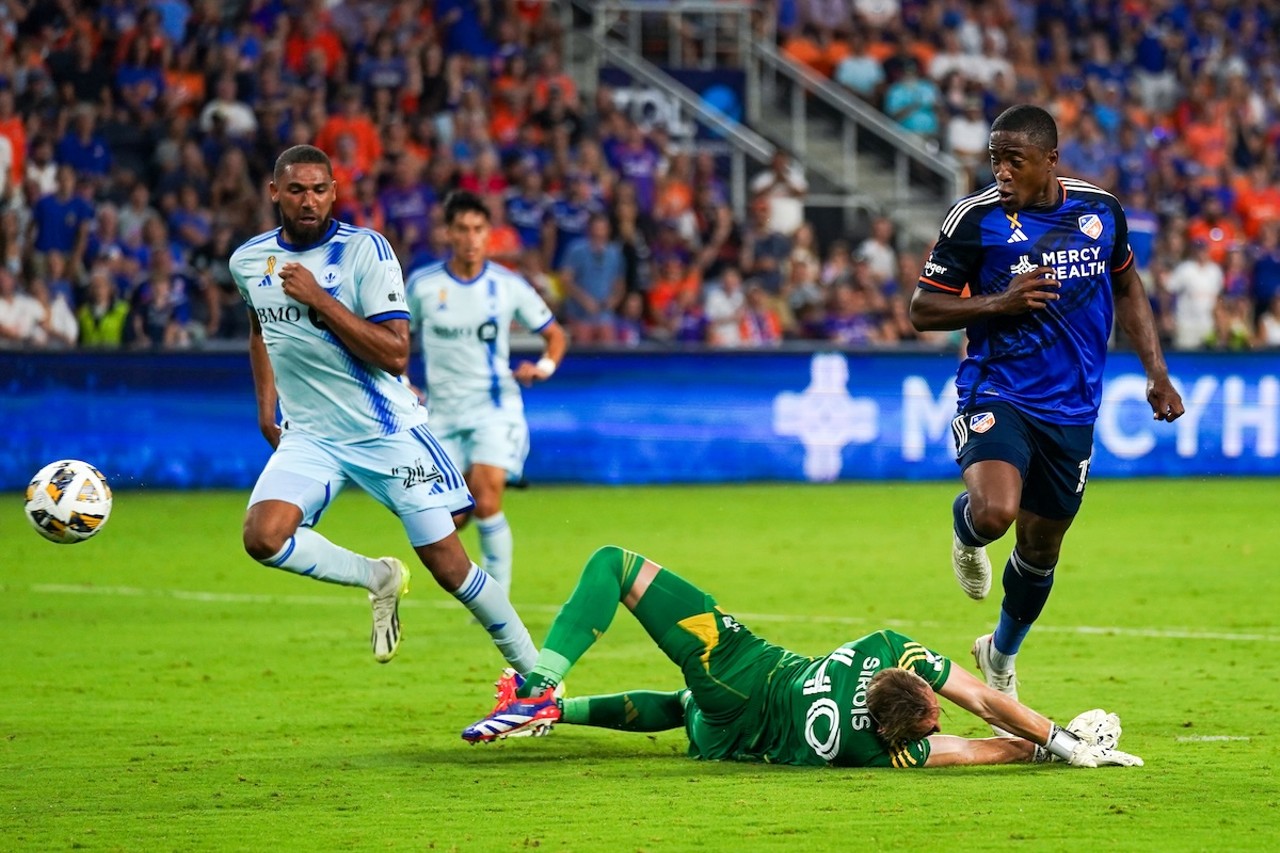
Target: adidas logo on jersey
[{"x": 1017, "y": 236}]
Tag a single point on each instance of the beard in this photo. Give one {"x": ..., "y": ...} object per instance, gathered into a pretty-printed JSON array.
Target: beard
[{"x": 302, "y": 234}]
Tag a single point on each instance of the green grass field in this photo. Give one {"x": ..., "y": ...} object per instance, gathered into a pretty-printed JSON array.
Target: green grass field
[{"x": 161, "y": 691}]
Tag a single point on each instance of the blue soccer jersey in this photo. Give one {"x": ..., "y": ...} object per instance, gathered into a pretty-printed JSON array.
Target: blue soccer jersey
[{"x": 1047, "y": 362}]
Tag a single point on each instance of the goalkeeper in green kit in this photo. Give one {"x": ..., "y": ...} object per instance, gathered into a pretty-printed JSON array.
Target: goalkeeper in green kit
[{"x": 869, "y": 703}]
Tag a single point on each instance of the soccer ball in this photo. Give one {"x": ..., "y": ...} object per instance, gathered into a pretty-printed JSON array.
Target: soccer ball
[{"x": 68, "y": 501}]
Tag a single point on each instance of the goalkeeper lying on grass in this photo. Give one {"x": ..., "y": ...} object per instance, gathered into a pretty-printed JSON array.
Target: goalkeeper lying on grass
[{"x": 870, "y": 703}]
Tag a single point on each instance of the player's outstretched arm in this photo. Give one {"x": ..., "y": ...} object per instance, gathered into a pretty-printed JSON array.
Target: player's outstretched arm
[
  {"x": 264, "y": 383},
  {"x": 995, "y": 707},
  {"x": 950, "y": 751},
  {"x": 1133, "y": 313}
]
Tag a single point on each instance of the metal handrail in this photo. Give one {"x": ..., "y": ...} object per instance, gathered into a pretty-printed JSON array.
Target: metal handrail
[
  {"x": 743, "y": 141},
  {"x": 905, "y": 145}
]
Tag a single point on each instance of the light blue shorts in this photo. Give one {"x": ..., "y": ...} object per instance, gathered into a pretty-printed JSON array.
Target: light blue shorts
[
  {"x": 498, "y": 437},
  {"x": 409, "y": 473}
]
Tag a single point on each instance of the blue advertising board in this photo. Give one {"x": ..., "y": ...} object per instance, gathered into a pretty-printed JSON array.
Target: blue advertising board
[{"x": 189, "y": 420}]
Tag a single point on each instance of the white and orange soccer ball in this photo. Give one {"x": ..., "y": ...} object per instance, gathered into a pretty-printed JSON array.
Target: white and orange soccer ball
[{"x": 68, "y": 501}]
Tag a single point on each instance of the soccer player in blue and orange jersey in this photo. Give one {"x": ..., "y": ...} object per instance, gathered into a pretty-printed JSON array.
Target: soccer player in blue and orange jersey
[{"x": 1033, "y": 268}]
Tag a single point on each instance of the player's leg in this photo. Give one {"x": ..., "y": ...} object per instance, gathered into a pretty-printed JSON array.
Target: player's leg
[
  {"x": 633, "y": 711},
  {"x": 497, "y": 453},
  {"x": 487, "y": 600},
  {"x": 663, "y": 603},
  {"x": 295, "y": 488},
  {"x": 993, "y": 450},
  {"x": 1051, "y": 498}
]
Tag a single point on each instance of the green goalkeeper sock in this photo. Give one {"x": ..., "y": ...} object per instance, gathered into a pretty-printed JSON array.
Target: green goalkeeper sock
[
  {"x": 584, "y": 617},
  {"x": 635, "y": 711}
]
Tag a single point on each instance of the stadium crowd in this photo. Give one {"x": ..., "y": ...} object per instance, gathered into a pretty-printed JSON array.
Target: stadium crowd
[{"x": 136, "y": 140}]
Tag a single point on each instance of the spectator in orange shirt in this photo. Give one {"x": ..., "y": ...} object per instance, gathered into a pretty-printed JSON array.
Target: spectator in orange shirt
[
  {"x": 760, "y": 324},
  {"x": 550, "y": 74},
  {"x": 13, "y": 129},
  {"x": 504, "y": 241},
  {"x": 351, "y": 118},
  {"x": 675, "y": 276},
  {"x": 1215, "y": 227},
  {"x": 309, "y": 34},
  {"x": 1257, "y": 200}
]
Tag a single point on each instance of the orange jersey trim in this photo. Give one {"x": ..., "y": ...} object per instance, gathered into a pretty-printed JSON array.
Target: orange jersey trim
[
  {"x": 1127, "y": 262},
  {"x": 942, "y": 286}
]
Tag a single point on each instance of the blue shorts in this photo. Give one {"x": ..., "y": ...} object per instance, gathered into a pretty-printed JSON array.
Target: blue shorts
[
  {"x": 408, "y": 473},
  {"x": 1052, "y": 458}
]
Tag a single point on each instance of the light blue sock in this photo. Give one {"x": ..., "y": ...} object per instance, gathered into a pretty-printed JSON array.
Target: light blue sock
[
  {"x": 496, "y": 546},
  {"x": 488, "y": 602},
  {"x": 308, "y": 553}
]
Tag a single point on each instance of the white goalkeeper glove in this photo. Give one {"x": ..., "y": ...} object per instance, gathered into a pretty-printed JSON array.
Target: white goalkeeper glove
[
  {"x": 1097, "y": 727},
  {"x": 1113, "y": 757}
]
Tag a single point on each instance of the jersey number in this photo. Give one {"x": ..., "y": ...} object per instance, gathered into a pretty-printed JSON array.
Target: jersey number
[
  {"x": 1084, "y": 475},
  {"x": 824, "y": 710}
]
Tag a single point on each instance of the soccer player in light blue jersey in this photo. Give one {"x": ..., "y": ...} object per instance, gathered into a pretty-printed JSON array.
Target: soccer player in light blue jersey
[
  {"x": 465, "y": 308},
  {"x": 1043, "y": 265},
  {"x": 329, "y": 341}
]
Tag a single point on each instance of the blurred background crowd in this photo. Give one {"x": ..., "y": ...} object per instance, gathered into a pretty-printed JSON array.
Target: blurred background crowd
[{"x": 137, "y": 138}]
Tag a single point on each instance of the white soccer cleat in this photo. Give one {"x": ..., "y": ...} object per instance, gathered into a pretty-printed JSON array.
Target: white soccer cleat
[
  {"x": 386, "y": 610},
  {"x": 1002, "y": 680},
  {"x": 972, "y": 567}
]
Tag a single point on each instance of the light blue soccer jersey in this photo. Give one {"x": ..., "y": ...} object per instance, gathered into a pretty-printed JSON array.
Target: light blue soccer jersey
[
  {"x": 466, "y": 336},
  {"x": 326, "y": 390}
]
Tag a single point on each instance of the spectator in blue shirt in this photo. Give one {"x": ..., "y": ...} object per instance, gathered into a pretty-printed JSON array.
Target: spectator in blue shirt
[
  {"x": 913, "y": 101},
  {"x": 61, "y": 223},
  {"x": 83, "y": 148},
  {"x": 593, "y": 283}
]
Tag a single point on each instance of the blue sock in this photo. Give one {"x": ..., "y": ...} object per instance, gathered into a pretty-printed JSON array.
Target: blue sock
[
  {"x": 962, "y": 522},
  {"x": 1026, "y": 589}
]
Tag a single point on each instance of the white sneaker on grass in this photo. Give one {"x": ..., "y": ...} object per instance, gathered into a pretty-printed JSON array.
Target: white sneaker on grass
[{"x": 1002, "y": 680}]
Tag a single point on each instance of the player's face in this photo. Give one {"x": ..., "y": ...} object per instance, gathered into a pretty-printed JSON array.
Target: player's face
[
  {"x": 1024, "y": 171},
  {"x": 305, "y": 194},
  {"x": 468, "y": 237}
]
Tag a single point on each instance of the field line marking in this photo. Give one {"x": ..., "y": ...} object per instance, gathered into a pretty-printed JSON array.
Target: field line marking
[
  {"x": 447, "y": 604},
  {"x": 1210, "y": 738}
]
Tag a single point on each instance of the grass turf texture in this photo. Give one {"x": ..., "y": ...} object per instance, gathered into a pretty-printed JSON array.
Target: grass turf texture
[{"x": 162, "y": 691}]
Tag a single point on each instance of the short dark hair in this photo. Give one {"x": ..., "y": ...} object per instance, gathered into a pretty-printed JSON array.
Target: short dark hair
[
  {"x": 1034, "y": 121},
  {"x": 300, "y": 154},
  {"x": 899, "y": 701},
  {"x": 462, "y": 201}
]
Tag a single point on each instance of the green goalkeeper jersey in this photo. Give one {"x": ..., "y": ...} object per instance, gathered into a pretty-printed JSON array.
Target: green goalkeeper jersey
[{"x": 814, "y": 710}]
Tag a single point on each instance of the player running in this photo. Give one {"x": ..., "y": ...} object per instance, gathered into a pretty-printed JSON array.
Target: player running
[
  {"x": 329, "y": 340},
  {"x": 465, "y": 307},
  {"x": 1042, "y": 263},
  {"x": 870, "y": 703}
]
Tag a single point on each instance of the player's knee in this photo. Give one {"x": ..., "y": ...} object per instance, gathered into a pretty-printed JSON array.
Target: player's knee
[
  {"x": 487, "y": 506},
  {"x": 261, "y": 542},
  {"x": 607, "y": 558},
  {"x": 992, "y": 519}
]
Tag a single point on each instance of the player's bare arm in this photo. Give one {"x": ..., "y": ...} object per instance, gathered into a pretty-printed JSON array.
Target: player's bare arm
[
  {"x": 994, "y": 707},
  {"x": 1133, "y": 314},
  {"x": 385, "y": 345},
  {"x": 1029, "y": 291},
  {"x": 264, "y": 383},
  {"x": 951, "y": 751},
  {"x": 527, "y": 372}
]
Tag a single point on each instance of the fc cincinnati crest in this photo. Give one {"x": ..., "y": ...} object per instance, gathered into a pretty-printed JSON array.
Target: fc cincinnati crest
[
  {"x": 982, "y": 422},
  {"x": 1091, "y": 225}
]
